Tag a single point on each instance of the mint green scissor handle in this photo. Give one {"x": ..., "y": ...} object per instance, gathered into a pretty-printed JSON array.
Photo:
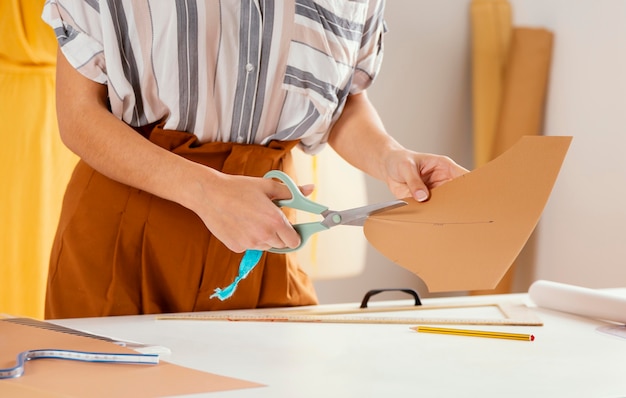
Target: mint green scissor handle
[{"x": 300, "y": 202}]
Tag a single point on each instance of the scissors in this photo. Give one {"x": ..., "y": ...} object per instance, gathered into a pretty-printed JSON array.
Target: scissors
[{"x": 355, "y": 216}]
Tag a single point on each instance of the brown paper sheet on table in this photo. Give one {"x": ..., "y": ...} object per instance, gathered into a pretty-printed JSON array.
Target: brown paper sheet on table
[
  {"x": 65, "y": 378},
  {"x": 472, "y": 228}
]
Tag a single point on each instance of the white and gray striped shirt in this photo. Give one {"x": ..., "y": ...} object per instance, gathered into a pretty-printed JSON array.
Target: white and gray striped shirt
[{"x": 246, "y": 71}]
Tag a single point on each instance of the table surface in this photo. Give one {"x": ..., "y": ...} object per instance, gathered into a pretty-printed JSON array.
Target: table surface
[{"x": 570, "y": 357}]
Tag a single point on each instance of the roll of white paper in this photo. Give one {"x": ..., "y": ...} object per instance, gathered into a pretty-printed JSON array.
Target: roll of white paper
[{"x": 578, "y": 300}]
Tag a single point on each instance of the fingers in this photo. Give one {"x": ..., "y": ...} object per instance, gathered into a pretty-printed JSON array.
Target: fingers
[
  {"x": 307, "y": 189},
  {"x": 415, "y": 174},
  {"x": 410, "y": 174},
  {"x": 283, "y": 235},
  {"x": 420, "y": 194},
  {"x": 275, "y": 233},
  {"x": 280, "y": 233},
  {"x": 272, "y": 235},
  {"x": 287, "y": 237},
  {"x": 279, "y": 190},
  {"x": 244, "y": 215}
]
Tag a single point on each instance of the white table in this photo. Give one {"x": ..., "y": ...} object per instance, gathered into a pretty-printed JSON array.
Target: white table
[{"x": 569, "y": 357}]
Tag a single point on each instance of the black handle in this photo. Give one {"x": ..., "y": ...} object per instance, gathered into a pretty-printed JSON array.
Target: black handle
[{"x": 376, "y": 291}]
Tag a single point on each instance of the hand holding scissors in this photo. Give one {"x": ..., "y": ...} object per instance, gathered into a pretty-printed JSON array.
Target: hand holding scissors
[{"x": 332, "y": 218}]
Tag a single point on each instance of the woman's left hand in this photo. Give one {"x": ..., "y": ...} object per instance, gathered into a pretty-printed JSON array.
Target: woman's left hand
[
  {"x": 360, "y": 138},
  {"x": 414, "y": 174}
]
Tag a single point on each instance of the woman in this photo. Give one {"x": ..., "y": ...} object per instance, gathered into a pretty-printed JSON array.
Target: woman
[{"x": 176, "y": 109}]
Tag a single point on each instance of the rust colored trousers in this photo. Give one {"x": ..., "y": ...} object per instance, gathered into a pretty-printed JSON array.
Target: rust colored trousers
[{"x": 122, "y": 251}]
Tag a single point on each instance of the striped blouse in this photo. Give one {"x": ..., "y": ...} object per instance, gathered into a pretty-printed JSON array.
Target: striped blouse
[{"x": 246, "y": 71}]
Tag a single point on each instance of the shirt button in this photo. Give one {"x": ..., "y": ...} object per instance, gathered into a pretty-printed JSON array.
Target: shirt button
[{"x": 249, "y": 68}]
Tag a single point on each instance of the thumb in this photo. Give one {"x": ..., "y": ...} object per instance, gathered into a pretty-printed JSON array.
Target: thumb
[
  {"x": 307, "y": 189},
  {"x": 419, "y": 191}
]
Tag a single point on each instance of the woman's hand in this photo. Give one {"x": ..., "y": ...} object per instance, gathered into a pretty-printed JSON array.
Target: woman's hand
[
  {"x": 240, "y": 212},
  {"x": 413, "y": 174},
  {"x": 360, "y": 138}
]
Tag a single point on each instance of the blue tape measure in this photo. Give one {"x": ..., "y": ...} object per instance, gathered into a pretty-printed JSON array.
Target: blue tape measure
[{"x": 18, "y": 369}]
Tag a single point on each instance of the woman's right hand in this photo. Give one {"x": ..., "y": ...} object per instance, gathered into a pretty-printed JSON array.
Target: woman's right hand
[{"x": 241, "y": 213}]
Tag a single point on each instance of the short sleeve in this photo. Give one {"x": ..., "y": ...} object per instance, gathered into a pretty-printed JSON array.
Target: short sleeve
[
  {"x": 78, "y": 30},
  {"x": 370, "y": 55}
]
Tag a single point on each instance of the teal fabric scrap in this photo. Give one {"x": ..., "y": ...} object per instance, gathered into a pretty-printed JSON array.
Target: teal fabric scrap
[{"x": 249, "y": 260}]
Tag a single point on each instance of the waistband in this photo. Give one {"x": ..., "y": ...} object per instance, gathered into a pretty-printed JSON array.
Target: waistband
[{"x": 229, "y": 157}]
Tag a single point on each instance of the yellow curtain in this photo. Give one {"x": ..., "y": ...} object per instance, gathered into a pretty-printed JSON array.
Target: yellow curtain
[
  {"x": 34, "y": 164},
  {"x": 511, "y": 67}
]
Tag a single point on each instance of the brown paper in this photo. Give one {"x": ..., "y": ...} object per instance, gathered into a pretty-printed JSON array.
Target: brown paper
[
  {"x": 469, "y": 232},
  {"x": 525, "y": 87},
  {"x": 56, "y": 377}
]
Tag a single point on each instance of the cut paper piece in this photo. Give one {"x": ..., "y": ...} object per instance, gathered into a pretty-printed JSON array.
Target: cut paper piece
[
  {"x": 249, "y": 260},
  {"x": 472, "y": 228},
  {"x": 56, "y": 378}
]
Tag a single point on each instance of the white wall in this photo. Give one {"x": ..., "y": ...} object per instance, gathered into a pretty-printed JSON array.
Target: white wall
[
  {"x": 423, "y": 95},
  {"x": 581, "y": 238}
]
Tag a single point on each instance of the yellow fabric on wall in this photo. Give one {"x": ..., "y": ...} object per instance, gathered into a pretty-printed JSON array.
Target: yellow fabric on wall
[
  {"x": 34, "y": 164},
  {"x": 491, "y": 36}
]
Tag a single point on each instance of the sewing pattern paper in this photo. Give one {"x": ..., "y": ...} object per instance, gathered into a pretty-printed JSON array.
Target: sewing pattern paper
[{"x": 472, "y": 228}]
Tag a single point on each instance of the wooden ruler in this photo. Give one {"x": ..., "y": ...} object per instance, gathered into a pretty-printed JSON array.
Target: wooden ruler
[{"x": 510, "y": 314}]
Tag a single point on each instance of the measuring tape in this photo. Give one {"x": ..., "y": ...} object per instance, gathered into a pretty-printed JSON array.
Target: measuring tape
[{"x": 22, "y": 357}]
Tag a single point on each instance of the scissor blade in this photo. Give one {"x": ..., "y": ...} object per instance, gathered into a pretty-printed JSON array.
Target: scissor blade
[{"x": 358, "y": 215}]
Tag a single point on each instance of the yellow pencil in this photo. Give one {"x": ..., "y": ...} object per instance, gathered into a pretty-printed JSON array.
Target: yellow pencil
[{"x": 475, "y": 333}]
